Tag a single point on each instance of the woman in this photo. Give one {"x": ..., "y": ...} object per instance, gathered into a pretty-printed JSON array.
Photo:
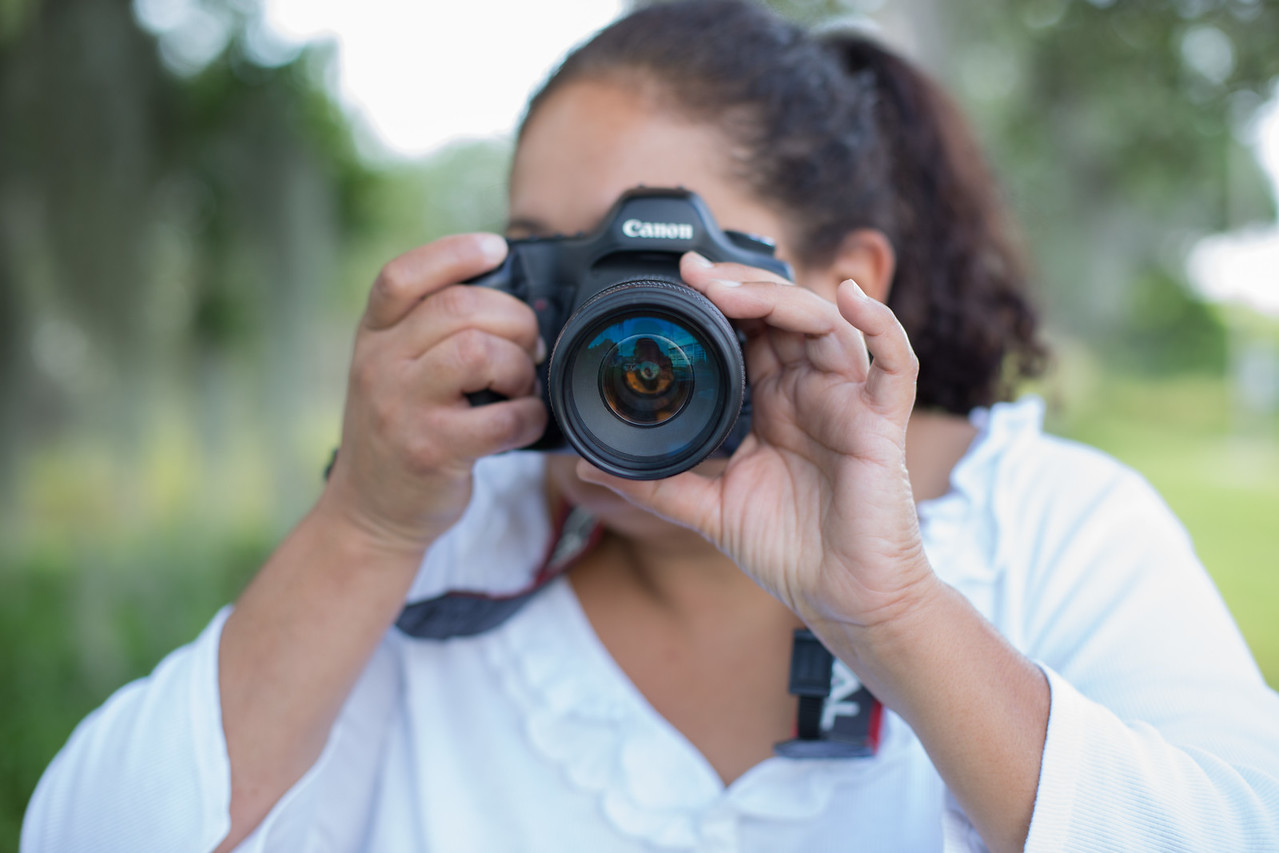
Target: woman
[{"x": 1060, "y": 673}]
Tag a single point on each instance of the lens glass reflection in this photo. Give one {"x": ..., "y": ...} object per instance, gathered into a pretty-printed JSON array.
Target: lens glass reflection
[{"x": 647, "y": 368}]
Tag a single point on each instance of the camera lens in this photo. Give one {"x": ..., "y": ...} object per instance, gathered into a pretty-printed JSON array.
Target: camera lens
[{"x": 646, "y": 379}]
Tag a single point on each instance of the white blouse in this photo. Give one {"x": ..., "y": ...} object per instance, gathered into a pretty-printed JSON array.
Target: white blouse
[{"x": 1162, "y": 734}]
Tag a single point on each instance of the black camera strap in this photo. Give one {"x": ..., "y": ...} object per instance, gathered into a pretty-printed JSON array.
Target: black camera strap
[
  {"x": 838, "y": 717},
  {"x": 463, "y": 613}
]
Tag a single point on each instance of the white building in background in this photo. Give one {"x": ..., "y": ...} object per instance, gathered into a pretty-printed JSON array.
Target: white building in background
[{"x": 1242, "y": 267}]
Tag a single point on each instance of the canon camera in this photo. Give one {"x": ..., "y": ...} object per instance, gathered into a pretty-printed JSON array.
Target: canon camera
[{"x": 645, "y": 377}]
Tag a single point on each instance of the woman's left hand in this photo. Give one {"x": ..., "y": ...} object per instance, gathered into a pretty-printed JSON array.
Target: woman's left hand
[{"x": 816, "y": 504}]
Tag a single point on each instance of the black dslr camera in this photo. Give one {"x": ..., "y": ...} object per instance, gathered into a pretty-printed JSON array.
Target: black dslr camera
[{"x": 645, "y": 377}]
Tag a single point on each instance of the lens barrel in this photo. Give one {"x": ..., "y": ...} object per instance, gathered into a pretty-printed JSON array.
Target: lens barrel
[{"x": 646, "y": 379}]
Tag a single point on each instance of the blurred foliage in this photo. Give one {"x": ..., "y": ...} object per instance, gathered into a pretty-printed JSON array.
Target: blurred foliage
[
  {"x": 1169, "y": 330},
  {"x": 171, "y": 241},
  {"x": 76, "y": 624},
  {"x": 188, "y": 227},
  {"x": 1116, "y": 129},
  {"x": 159, "y": 229}
]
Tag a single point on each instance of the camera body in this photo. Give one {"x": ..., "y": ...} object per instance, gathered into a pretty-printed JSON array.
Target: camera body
[{"x": 645, "y": 376}]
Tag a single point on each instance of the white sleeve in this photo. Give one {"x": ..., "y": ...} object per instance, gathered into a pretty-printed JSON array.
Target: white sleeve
[
  {"x": 1162, "y": 734},
  {"x": 148, "y": 771}
]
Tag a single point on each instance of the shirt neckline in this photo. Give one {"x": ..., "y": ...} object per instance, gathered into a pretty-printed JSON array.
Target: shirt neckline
[
  {"x": 997, "y": 426},
  {"x": 583, "y": 713}
]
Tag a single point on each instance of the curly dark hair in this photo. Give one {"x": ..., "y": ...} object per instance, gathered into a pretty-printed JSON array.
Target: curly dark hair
[{"x": 843, "y": 135}]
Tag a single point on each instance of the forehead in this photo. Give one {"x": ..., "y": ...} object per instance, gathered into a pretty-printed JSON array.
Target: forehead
[{"x": 590, "y": 141}]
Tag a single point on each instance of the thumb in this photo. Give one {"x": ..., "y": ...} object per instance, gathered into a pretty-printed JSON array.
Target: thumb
[{"x": 687, "y": 499}]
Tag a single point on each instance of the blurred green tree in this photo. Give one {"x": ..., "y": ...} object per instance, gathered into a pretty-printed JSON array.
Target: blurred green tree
[
  {"x": 1119, "y": 131},
  {"x": 172, "y": 226},
  {"x": 156, "y": 225}
]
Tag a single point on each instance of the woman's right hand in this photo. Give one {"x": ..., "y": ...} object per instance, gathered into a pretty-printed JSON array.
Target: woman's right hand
[
  {"x": 409, "y": 435},
  {"x": 305, "y": 628}
]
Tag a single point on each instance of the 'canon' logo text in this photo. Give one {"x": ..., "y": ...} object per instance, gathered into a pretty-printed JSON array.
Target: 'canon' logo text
[{"x": 657, "y": 230}]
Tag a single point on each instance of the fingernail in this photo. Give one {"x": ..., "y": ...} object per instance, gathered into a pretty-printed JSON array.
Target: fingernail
[
  {"x": 698, "y": 260},
  {"x": 857, "y": 290},
  {"x": 726, "y": 282},
  {"x": 493, "y": 247},
  {"x": 539, "y": 355}
]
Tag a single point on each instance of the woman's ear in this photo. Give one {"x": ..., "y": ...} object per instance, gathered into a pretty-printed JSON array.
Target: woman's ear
[{"x": 865, "y": 256}]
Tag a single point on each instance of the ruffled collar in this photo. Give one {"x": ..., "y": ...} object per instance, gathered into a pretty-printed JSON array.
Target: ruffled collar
[{"x": 583, "y": 714}]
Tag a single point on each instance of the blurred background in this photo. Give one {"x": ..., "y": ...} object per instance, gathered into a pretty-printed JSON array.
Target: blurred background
[{"x": 196, "y": 194}]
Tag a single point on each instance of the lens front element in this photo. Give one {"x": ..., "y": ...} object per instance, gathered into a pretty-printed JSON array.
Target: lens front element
[{"x": 646, "y": 378}]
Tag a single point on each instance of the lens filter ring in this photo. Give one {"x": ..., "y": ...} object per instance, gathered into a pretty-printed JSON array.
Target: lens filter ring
[{"x": 646, "y": 379}]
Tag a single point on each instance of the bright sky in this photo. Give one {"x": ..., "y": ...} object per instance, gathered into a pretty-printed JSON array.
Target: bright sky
[{"x": 422, "y": 72}]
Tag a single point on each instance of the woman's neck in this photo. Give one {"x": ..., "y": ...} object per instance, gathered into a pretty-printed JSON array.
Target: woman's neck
[{"x": 935, "y": 442}]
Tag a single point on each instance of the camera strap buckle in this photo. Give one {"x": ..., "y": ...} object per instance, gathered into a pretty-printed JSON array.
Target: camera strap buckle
[{"x": 838, "y": 717}]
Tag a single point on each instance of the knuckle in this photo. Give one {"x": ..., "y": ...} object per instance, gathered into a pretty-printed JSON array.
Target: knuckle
[
  {"x": 472, "y": 349},
  {"x": 395, "y": 280},
  {"x": 422, "y": 447},
  {"x": 384, "y": 415},
  {"x": 458, "y": 300},
  {"x": 911, "y": 360},
  {"x": 909, "y": 366},
  {"x": 526, "y": 375},
  {"x": 366, "y": 378}
]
